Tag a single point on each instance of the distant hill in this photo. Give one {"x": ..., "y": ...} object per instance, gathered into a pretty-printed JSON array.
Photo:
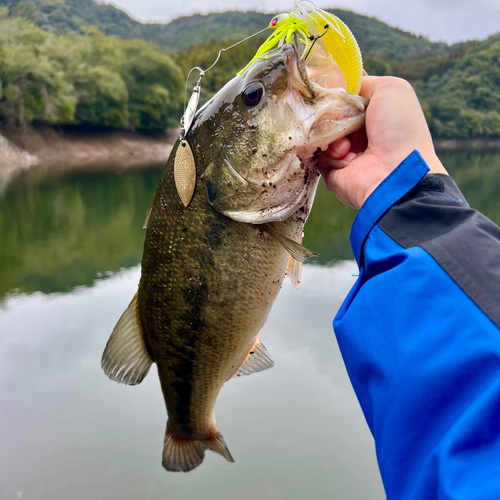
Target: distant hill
[
  {"x": 63, "y": 16},
  {"x": 461, "y": 97},
  {"x": 373, "y": 35}
]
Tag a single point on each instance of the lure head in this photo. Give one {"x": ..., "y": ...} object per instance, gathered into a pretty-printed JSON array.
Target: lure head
[
  {"x": 276, "y": 20},
  {"x": 256, "y": 141}
]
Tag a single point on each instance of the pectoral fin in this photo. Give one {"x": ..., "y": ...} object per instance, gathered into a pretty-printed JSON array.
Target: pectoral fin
[
  {"x": 294, "y": 267},
  {"x": 297, "y": 251},
  {"x": 126, "y": 358},
  {"x": 257, "y": 360}
]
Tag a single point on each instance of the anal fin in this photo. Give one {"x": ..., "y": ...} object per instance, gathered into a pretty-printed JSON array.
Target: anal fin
[
  {"x": 126, "y": 358},
  {"x": 257, "y": 360}
]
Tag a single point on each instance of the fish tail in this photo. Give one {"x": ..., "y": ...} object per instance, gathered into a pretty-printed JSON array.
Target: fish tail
[{"x": 180, "y": 455}]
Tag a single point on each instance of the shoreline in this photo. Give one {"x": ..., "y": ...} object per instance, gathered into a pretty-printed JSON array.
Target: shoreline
[
  {"x": 467, "y": 144},
  {"x": 58, "y": 150}
]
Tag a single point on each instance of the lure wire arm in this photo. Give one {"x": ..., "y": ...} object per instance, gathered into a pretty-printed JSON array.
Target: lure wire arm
[
  {"x": 190, "y": 109},
  {"x": 314, "y": 39}
]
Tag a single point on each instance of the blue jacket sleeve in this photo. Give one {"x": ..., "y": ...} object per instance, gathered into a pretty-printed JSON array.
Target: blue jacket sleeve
[{"x": 420, "y": 337}]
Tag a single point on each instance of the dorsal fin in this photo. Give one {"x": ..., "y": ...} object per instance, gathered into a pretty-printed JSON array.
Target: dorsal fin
[
  {"x": 126, "y": 358},
  {"x": 257, "y": 360}
]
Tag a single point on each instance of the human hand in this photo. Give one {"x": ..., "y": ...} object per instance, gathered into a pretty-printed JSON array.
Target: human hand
[{"x": 395, "y": 125}]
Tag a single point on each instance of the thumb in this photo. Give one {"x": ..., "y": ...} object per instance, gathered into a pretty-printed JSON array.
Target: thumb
[{"x": 370, "y": 85}]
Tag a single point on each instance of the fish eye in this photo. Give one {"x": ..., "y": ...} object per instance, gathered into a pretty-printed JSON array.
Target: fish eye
[{"x": 252, "y": 94}]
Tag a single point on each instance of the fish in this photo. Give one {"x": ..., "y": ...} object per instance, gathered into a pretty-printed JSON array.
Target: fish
[{"x": 212, "y": 270}]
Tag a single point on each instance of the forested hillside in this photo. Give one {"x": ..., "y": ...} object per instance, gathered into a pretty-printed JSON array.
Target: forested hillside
[
  {"x": 463, "y": 101},
  {"x": 87, "y": 79},
  {"x": 82, "y": 63},
  {"x": 65, "y": 16}
]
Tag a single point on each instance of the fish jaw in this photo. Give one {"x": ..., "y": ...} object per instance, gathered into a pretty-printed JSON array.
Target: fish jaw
[
  {"x": 294, "y": 189},
  {"x": 338, "y": 114},
  {"x": 287, "y": 183}
]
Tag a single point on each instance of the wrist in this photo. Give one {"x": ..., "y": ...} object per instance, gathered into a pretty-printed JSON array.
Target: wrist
[
  {"x": 434, "y": 164},
  {"x": 388, "y": 165},
  {"x": 393, "y": 188}
]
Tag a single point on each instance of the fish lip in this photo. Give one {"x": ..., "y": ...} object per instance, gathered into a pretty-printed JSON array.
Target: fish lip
[{"x": 310, "y": 90}]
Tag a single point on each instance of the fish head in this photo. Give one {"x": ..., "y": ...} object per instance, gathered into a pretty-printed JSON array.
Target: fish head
[{"x": 258, "y": 138}]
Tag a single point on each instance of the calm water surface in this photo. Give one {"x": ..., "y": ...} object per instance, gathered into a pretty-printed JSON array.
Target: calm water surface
[{"x": 70, "y": 251}]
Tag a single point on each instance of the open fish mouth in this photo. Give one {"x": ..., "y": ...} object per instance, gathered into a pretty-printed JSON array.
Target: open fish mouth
[
  {"x": 299, "y": 78},
  {"x": 298, "y": 122}
]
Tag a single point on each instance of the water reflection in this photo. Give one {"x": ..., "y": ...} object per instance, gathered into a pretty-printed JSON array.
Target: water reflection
[
  {"x": 69, "y": 232},
  {"x": 478, "y": 176},
  {"x": 66, "y": 233},
  {"x": 296, "y": 431}
]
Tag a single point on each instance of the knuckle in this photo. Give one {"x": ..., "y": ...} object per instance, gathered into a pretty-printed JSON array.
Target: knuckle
[{"x": 395, "y": 82}]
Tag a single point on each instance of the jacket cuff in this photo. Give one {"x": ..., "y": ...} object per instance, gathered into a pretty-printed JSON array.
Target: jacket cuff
[{"x": 401, "y": 180}]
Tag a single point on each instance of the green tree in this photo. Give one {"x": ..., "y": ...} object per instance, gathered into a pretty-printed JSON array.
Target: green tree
[
  {"x": 89, "y": 79},
  {"x": 102, "y": 98},
  {"x": 27, "y": 10},
  {"x": 462, "y": 101},
  {"x": 42, "y": 91},
  {"x": 154, "y": 83},
  {"x": 376, "y": 66}
]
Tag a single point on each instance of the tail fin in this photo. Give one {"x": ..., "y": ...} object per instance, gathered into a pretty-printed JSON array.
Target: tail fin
[{"x": 182, "y": 456}]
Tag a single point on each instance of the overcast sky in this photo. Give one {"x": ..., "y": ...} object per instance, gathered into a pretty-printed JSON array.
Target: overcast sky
[{"x": 448, "y": 20}]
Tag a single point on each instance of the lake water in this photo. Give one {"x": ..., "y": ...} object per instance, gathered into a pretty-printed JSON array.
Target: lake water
[{"x": 70, "y": 251}]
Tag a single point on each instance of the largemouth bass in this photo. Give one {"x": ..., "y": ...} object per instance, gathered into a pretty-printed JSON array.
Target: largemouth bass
[{"x": 212, "y": 270}]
